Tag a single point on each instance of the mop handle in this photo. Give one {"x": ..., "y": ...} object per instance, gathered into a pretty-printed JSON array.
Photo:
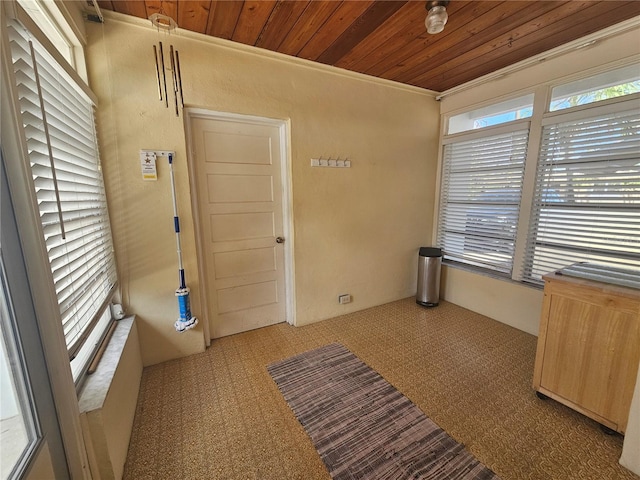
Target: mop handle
[{"x": 176, "y": 222}]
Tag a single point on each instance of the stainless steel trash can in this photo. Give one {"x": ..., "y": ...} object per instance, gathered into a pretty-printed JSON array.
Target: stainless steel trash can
[{"x": 429, "y": 262}]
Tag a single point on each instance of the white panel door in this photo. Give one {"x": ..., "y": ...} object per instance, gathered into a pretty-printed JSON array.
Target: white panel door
[{"x": 239, "y": 192}]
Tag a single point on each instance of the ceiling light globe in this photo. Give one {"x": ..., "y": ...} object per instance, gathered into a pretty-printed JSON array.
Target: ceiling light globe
[{"x": 436, "y": 19}]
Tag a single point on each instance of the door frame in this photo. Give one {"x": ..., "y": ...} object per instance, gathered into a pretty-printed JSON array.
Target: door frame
[{"x": 283, "y": 126}]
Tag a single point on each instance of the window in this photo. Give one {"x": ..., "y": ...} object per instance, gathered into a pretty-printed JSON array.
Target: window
[
  {"x": 482, "y": 175},
  {"x": 27, "y": 411},
  {"x": 583, "y": 188},
  {"x": 587, "y": 194},
  {"x": 611, "y": 84},
  {"x": 496, "y": 114},
  {"x": 18, "y": 433},
  {"x": 50, "y": 20},
  {"x": 59, "y": 129}
]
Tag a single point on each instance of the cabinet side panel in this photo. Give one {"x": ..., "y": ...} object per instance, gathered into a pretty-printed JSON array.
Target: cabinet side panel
[
  {"x": 542, "y": 336},
  {"x": 591, "y": 356}
]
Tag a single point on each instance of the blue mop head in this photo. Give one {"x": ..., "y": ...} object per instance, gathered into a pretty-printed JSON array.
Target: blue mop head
[{"x": 185, "y": 321}]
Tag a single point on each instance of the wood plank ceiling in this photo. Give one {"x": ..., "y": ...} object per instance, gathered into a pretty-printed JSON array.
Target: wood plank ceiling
[{"x": 388, "y": 39}]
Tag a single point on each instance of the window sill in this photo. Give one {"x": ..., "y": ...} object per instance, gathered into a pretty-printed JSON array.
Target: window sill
[
  {"x": 96, "y": 386},
  {"x": 488, "y": 273}
]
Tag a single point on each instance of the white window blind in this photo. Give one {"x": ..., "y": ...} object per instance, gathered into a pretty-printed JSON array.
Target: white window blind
[
  {"x": 480, "y": 198},
  {"x": 586, "y": 203},
  {"x": 59, "y": 127}
]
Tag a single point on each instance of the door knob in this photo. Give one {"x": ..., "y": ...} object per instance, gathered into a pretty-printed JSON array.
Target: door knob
[{"x": 279, "y": 240}]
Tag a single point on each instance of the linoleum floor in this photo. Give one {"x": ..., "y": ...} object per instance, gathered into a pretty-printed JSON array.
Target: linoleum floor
[{"x": 219, "y": 415}]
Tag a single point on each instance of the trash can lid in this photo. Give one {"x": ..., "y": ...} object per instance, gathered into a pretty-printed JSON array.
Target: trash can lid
[{"x": 430, "y": 252}]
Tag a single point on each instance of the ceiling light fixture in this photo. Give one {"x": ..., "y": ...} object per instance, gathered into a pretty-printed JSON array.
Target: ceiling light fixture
[{"x": 437, "y": 16}]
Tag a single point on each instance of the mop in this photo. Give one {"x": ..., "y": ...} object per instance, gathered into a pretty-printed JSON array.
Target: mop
[{"x": 185, "y": 320}]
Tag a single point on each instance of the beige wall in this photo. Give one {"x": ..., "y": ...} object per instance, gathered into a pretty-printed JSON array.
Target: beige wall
[
  {"x": 356, "y": 230},
  {"x": 506, "y": 301}
]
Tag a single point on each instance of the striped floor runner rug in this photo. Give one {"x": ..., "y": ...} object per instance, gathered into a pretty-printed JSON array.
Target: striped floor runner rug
[{"x": 362, "y": 427}]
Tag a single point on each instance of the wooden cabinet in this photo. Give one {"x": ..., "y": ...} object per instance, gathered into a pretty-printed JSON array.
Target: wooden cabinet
[{"x": 589, "y": 347}]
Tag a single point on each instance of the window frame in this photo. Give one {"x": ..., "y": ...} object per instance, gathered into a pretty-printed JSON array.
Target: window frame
[
  {"x": 36, "y": 400},
  {"x": 16, "y": 12},
  {"x": 513, "y": 104},
  {"x": 512, "y": 127},
  {"x": 581, "y": 112},
  {"x": 541, "y": 115},
  {"x": 59, "y": 23},
  {"x": 600, "y": 73},
  {"x": 36, "y": 262}
]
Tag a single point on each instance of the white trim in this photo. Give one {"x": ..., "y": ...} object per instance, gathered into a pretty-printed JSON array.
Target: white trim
[
  {"x": 79, "y": 38},
  {"x": 444, "y": 125},
  {"x": 204, "y": 303},
  {"x": 263, "y": 53},
  {"x": 78, "y": 42},
  {"x": 286, "y": 171},
  {"x": 540, "y": 104},
  {"x": 287, "y": 205}
]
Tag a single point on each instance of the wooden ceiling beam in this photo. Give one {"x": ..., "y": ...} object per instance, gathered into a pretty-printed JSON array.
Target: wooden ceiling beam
[
  {"x": 106, "y": 5},
  {"x": 314, "y": 16},
  {"x": 136, "y": 9},
  {"x": 363, "y": 26},
  {"x": 401, "y": 28},
  {"x": 165, "y": 7},
  {"x": 211, "y": 18},
  {"x": 341, "y": 19},
  {"x": 253, "y": 18},
  {"x": 225, "y": 18},
  {"x": 285, "y": 14},
  {"x": 194, "y": 15}
]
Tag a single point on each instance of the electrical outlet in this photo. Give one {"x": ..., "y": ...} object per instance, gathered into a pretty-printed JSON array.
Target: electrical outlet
[{"x": 342, "y": 299}]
